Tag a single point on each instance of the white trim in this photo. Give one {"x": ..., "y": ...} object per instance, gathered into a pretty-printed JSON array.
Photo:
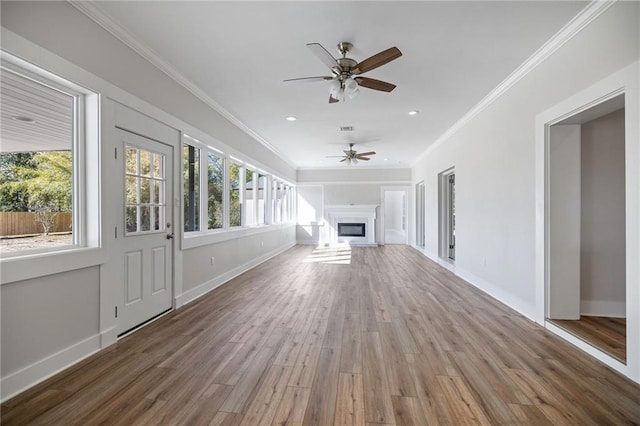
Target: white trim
[
  {"x": 603, "y": 308},
  {"x": 309, "y": 243},
  {"x": 591, "y": 350},
  {"x": 204, "y": 288},
  {"x": 359, "y": 182},
  {"x": 39, "y": 371},
  {"x": 49, "y": 263},
  {"x": 96, "y": 14},
  {"x": 198, "y": 239},
  {"x": 571, "y": 29},
  {"x": 625, "y": 80}
]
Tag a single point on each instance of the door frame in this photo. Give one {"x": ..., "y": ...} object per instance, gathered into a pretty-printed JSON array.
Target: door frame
[
  {"x": 407, "y": 191},
  {"x": 421, "y": 216},
  {"x": 624, "y": 82},
  {"x": 444, "y": 213},
  {"x": 115, "y": 117}
]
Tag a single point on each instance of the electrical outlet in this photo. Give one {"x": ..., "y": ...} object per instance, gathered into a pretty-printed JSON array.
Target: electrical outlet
[
  {"x": 213, "y": 259},
  {"x": 261, "y": 243}
]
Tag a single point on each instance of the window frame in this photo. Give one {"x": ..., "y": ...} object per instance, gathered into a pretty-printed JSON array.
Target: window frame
[
  {"x": 202, "y": 236},
  {"x": 86, "y": 248}
]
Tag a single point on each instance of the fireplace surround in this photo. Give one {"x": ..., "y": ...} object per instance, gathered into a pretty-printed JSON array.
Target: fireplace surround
[{"x": 353, "y": 224}]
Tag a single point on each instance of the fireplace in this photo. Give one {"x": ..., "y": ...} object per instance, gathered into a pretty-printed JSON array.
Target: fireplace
[
  {"x": 351, "y": 229},
  {"x": 354, "y": 224}
]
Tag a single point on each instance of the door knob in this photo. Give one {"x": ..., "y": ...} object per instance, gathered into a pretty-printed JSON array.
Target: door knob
[{"x": 169, "y": 236}]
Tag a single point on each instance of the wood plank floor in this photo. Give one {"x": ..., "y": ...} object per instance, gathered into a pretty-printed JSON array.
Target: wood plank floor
[
  {"x": 607, "y": 334},
  {"x": 365, "y": 336}
]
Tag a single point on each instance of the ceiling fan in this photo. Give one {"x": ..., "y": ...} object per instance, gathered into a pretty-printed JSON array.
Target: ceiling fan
[
  {"x": 351, "y": 156},
  {"x": 345, "y": 78}
]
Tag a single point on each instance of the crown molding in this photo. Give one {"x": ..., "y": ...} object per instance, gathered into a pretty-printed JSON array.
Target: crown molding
[
  {"x": 587, "y": 15},
  {"x": 96, "y": 14}
]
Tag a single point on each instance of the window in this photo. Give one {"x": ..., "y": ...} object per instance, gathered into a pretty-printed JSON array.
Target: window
[
  {"x": 191, "y": 179},
  {"x": 144, "y": 188},
  {"x": 215, "y": 186},
  {"x": 274, "y": 201},
  {"x": 249, "y": 218},
  {"x": 262, "y": 190},
  {"x": 234, "y": 194},
  {"x": 221, "y": 193},
  {"x": 41, "y": 163}
]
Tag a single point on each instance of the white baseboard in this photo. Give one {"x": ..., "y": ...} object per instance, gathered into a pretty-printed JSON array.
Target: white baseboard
[
  {"x": 41, "y": 370},
  {"x": 309, "y": 242},
  {"x": 108, "y": 337},
  {"x": 204, "y": 288},
  {"x": 603, "y": 308},
  {"x": 487, "y": 287}
]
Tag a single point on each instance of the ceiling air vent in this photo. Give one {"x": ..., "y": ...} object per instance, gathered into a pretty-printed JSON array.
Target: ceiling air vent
[{"x": 346, "y": 128}]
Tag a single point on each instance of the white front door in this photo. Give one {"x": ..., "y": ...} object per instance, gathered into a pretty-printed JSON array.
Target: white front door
[{"x": 148, "y": 230}]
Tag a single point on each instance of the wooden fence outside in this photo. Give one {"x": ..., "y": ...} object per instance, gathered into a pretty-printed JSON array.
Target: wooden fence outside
[{"x": 24, "y": 223}]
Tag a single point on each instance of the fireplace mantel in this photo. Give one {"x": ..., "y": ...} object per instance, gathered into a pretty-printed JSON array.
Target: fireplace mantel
[{"x": 352, "y": 213}]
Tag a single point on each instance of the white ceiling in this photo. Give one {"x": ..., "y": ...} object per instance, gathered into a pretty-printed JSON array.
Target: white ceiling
[{"x": 238, "y": 53}]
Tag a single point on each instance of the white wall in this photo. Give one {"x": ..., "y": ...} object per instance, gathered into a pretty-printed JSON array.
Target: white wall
[
  {"x": 494, "y": 159},
  {"x": 602, "y": 266},
  {"x": 350, "y": 185},
  {"x": 43, "y": 316},
  {"x": 564, "y": 222}
]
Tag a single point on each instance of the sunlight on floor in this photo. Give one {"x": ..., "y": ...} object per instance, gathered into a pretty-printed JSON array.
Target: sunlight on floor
[{"x": 339, "y": 255}]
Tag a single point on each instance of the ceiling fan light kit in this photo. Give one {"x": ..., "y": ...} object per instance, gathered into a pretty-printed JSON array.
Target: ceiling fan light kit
[
  {"x": 345, "y": 78},
  {"x": 351, "y": 157}
]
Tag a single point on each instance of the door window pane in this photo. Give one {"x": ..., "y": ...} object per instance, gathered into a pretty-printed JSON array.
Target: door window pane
[{"x": 144, "y": 191}]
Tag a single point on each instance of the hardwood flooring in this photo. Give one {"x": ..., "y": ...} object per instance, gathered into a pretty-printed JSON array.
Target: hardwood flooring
[
  {"x": 607, "y": 334},
  {"x": 364, "y": 336}
]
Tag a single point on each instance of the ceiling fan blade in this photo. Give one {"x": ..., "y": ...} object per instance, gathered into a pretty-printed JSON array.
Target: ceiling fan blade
[
  {"x": 343, "y": 160},
  {"x": 377, "y": 60},
  {"x": 326, "y": 57},
  {"x": 332, "y": 100},
  {"x": 363, "y": 158},
  {"x": 307, "y": 79},
  {"x": 366, "y": 153},
  {"x": 334, "y": 156},
  {"x": 372, "y": 83}
]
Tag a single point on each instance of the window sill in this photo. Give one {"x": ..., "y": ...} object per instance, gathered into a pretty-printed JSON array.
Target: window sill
[
  {"x": 19, "y": 268},
  {"x": 194, "y": 240}
]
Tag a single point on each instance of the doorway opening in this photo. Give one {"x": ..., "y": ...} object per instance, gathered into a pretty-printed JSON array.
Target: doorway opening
[
  {"x": 395, "y": 217},
  {"x": 448, "y": 215},
  {"x": 420, "y": 215},
  {"x": 586, "y": 231}
]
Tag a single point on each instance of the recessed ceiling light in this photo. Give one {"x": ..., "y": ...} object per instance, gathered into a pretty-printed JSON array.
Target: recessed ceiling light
[
  {"x": 23, "y": 119},
  {"x": 291, "y": 118},
  {"x": 414, "y": 112},
  {"x": 386, "y": 159}
]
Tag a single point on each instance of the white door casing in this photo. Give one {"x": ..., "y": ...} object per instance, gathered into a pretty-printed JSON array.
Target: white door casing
[{"x": 147, "y": 229}]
